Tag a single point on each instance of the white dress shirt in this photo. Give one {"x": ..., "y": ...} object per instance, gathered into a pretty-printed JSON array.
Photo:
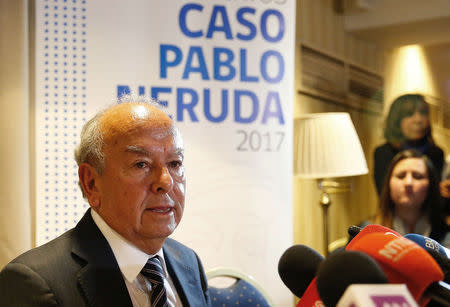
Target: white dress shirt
[{"x": 131, "y": 260}]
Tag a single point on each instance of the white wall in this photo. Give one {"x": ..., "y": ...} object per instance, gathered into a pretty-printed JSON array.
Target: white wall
[{"x": 15, "y": 230}]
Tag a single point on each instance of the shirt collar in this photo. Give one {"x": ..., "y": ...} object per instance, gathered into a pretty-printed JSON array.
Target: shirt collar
[
  {"x": 130, "y": 259},
  {"x": 422, "y": 226}
]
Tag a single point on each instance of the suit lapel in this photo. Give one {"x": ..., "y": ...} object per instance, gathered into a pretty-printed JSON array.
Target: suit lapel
[
  {"x": 100, "y": 278},
  {"x": 184, "y": 277}
]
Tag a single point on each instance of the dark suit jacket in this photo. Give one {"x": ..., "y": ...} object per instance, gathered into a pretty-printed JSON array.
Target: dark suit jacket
[{"x": 79, "y": 269}]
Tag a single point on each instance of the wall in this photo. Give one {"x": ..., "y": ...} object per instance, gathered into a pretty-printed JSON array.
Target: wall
[
  {"x": 438, "y": 60},
  {"x": 423, "y": 69},
  {"x": 15, "y": 229}
]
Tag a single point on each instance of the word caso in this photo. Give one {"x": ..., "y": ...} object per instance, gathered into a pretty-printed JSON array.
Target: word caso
[{"x": 219, "y": 22}]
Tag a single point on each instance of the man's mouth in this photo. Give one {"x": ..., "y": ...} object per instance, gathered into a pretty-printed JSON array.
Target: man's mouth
[{"x": 161, "y": 210}]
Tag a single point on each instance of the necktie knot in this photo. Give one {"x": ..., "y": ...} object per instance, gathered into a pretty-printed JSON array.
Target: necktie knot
[
  {"x": 153, "y": 270},
  {"x": 154, "y": 273}
]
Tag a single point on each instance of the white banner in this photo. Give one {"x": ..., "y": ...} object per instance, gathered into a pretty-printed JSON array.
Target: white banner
[{"x": 224, "y": 71}]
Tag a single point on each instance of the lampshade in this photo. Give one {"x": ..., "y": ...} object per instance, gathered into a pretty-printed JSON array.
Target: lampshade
[{"x": 326, "y": 146}]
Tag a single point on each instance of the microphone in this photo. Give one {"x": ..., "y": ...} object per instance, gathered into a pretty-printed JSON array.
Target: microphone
[
  {"x": 353, "y": 231},
  {"x": 297, "y": 267},
  {"x": 403, "y": 261},
  {"x": 371, "y": 228},
  {"x": 426, "y": 243},
  {"x": 311, "y": 296},
  {"x": 435, "y": 250},
  {"x": 341, "y": 270},
  {"x": 377, "y": 295}
]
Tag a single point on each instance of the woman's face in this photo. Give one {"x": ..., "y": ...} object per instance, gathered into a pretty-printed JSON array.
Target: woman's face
[
  {"x": 409, "y": 183},
  {"x": 415, "y": 126}
]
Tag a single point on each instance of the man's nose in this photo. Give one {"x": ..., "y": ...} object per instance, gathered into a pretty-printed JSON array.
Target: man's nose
[{"x": 163, "y": 181}]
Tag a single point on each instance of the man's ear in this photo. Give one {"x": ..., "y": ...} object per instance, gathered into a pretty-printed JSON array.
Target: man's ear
[{"x": 88, "y": 177}]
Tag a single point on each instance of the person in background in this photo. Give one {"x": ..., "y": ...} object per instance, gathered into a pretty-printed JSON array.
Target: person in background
[
  {"x": 407, "y": 127},
  {"x": 131, "y": 171},
  {"x": 445, "y": 188},
  {"x": 410, "y": 201}
]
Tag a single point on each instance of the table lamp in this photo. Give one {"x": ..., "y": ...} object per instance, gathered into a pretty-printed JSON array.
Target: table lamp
[{"x": 326, "y": 147}]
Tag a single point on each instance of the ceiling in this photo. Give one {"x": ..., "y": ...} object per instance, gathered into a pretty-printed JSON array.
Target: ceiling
[{"x": 395, "y": 23}]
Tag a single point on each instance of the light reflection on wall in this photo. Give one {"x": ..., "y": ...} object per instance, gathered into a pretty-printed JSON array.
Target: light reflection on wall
[{"x": 408, "y": 72}]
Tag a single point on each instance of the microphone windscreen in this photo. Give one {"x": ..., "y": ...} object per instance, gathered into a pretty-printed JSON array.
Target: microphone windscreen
[
  {"x": 435, "y": 250},
  {"x": 311, "y": 297},
  {"x": 298, "y": 266},
  {"x": 341, "y": 270},
  {"x": 371, "y": 228},
  {"x": 426, "y": 243},
  {"x": 402, "y": 260}
]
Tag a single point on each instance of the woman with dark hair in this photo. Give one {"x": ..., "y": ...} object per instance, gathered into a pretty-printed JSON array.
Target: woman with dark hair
[
  {"x": 410, "y": 201},
  {"x": 407, "y": 127}
]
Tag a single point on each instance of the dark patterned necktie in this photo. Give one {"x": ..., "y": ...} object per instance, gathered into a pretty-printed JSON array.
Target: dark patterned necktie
[{"x": 154, "y": 273}]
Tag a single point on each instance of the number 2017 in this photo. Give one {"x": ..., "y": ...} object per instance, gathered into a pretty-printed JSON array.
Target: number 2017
[{"x": 257, "y": 141}]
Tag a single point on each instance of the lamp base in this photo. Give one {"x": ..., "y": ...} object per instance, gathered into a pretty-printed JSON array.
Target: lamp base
[
  {"x": 329, "y": 186},
  {"x": 325, "y": 203}
]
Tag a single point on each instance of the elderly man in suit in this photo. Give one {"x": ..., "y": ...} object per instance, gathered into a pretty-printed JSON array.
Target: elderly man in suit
[{"x": 131, "y": 171}]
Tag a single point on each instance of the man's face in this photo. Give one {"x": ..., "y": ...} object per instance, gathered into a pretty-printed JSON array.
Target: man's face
[{"x": 142, "y": 189}]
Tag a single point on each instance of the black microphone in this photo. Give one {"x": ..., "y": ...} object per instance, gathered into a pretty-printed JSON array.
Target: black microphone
[
  {"x": 353, "y": 231},
  {"x": 298, "y": 266},
  {"x": 341, "y": 270},
  {"x": 439, "y": 292}
]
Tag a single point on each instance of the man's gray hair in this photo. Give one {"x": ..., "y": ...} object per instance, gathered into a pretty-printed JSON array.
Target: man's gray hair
[
  {"x": 90, "y": 149},
  {"x": 91, "y": 142}
]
